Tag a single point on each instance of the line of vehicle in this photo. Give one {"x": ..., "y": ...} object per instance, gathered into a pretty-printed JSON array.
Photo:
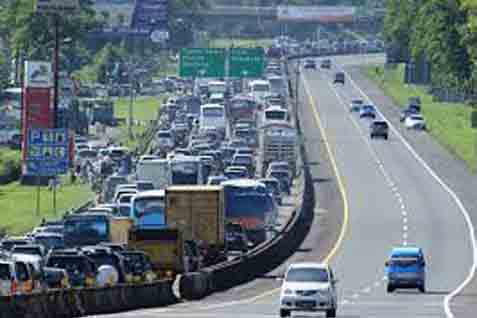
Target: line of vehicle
[
  {"x": 343, "y": 193},
  {"x": 453, "y": 195}
]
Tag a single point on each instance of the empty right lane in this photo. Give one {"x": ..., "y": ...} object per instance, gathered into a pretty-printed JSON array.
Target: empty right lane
[{"x": 393, "y": 200}]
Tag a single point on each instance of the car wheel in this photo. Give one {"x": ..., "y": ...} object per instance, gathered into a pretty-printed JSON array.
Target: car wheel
[
  {"x": 422, "y": 289},
  {"x": 331, "y": 313},
  {"x": 385, "y": 137},
  {"x": 390, "y": 288},
  {"x": 372, "y": 136},
  {"x": 284, "y": 313}
]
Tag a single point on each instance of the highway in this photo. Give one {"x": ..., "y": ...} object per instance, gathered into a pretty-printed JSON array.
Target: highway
[{"x": 371, "y": 195}]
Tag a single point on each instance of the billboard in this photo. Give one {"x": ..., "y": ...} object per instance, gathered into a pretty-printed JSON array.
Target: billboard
[
  {"x": 150, "y": 16},
  {"x": 321, "y": 14},
  {"x": 37, "y": 101}
]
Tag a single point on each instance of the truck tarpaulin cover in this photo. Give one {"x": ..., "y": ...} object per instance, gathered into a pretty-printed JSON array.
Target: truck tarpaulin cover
[{"x": 323, "y": 14}]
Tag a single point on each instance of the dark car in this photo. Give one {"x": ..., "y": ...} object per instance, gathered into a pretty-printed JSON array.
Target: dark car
[
  {"x": 339, "y": 78},
  {"x": 411, "y": 110},
  {"x": 15, "y": 141},
  {"x": 137, "y": 265},
  {"x": 379, "y": 128},
  {"x": 236, "y": 237},
  {"x": 309, "y": 64},
  {"x": 80, "y": 268},
  {"x": 326, "y": 63},
  {"x": 103, "y": 255}
]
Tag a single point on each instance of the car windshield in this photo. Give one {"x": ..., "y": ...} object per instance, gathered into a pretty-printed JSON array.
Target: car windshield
[
  {"x": 319, "y": 275},
  {"x": 148, "y": 206},
  {"x": 403, "y": 261},
  {"x": 27, "y": 250}
]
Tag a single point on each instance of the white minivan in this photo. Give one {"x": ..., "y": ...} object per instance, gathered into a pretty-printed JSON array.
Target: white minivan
[{"x": 309, "y": 287}]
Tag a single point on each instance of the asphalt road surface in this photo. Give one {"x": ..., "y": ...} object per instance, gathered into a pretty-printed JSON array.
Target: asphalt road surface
[{"x": 380, "y": 195}]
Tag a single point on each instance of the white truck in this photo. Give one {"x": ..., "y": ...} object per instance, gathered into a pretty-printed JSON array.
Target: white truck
[
  {"x": 177, "y": 170},
  {"x": 279, "y": 142}
]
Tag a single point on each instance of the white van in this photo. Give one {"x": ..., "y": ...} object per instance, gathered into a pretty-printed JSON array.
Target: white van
[{"x": 213, "y": 115}]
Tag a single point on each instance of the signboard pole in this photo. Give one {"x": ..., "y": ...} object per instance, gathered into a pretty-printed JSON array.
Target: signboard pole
[
  {"x": 38, "y": 188},
  {"x": 54, "y": 195}
]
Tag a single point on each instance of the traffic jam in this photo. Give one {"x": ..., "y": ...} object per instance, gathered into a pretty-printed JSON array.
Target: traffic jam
[{"x": 216, "y": 181}]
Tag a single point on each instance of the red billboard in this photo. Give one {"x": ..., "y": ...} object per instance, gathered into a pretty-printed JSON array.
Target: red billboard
[{"x": 37, "y": 101}]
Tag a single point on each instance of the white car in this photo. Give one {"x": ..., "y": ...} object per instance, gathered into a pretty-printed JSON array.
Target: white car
[
  {"x": 308, "y": 287},
  {"x": 415, "y": 121}
]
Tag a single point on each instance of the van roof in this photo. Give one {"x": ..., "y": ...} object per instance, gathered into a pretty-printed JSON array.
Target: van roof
[
  {"x": 191, "y": 188},
  {"x": 405, "y": 251},
  {"x": 150, "y": 193}
]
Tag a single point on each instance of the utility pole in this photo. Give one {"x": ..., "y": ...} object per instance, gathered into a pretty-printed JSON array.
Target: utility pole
[{"x": 56, "y": 70}]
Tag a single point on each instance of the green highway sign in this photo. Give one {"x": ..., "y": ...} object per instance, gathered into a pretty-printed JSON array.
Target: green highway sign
[
  {"x": 202, "y": 62},
  {"x": 247, "y": 62}
]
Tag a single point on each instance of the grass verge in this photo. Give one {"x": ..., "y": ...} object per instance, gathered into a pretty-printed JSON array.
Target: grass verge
[
  {"x": 9, "y": 159},
  {"x": 18, "y": 204},
  {"x": 449, "y": 123}
]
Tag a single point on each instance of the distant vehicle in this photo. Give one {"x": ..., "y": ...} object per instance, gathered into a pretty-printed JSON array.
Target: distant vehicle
[
  {"x": 213, "y": 115},
  {"x": 148, "y": 209},
  {"x": 125, "y": 198},
  {"x": 309, "y": 64},
  {"x": 379, "y": 128},
  {"x": 356, "y": 105},
  {"x": 275, "y": 114},
  {"x": 414, "y": 101},
  {"x": 273, "y": 185},
  {"x": 411, "y": 110},
  {"x": 251, "y": 204},
  {"x": 236, "y": 172},
  {"x": 415, "y": 121},
  {"x": 367, "y": 111},
  {"x": 242, "y": 107},
  {"x": 405, "y": 268},
  {"x": 49, "y": 240},
  {"x": 118, "y": 153},
  {"x": 339, "y": 78},
  {"x": 165, "y": 140},
  {"x": 80, "y": 268},
  {"x": 102, "y": 255},
  {"x": 86, "y": 229},
  {"x": 8, "y": 243},
  {"x": 308, "y": 287},
  {"x": 30, "y": 249},
  {"x": 216, "y": 180},
  {"x": 326, "y": 63},
  {"x": 284, "y": 177},
  {"x": 258, "y": 89},
  {"x": 236, "y": 237},
  {"x": 217, "y": 98},
  {"x": 15, "y": 278},
  {"x": 245, "y": 160}
]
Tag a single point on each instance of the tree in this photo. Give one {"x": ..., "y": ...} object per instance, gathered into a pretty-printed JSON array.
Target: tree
[
  {"x": 121, "y": 18},
  {"x": 4, "y": 70},
  {"x": 437, "y": 35},
  {"x": 106, "y": 16}
]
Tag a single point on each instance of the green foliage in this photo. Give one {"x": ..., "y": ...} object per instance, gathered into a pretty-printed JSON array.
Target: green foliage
[{"x": 443, "y": 31}]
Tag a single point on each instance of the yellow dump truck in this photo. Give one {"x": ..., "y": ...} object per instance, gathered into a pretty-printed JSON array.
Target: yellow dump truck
[{"x": 197, "y": 211}]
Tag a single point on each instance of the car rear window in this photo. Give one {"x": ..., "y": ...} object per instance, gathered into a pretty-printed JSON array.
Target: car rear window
[{"x": 5, "y": 273}]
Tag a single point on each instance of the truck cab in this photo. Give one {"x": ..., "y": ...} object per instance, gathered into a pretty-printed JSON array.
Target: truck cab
[{"x": 405, "y": 268}]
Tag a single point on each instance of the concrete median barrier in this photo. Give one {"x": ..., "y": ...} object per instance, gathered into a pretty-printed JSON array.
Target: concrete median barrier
[{"x": 78, "y": 302}]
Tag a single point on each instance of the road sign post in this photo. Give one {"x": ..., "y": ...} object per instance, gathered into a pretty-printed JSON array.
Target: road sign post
[{"x": 202, "y": 62}]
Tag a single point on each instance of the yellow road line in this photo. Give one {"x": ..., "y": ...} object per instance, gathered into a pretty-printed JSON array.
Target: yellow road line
[{"x": 339, "y": 178}]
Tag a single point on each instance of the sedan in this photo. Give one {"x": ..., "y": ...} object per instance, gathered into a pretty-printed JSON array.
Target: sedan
[
  {"x": 368, "y": 111},
  {"x": 415, "y": 122},
  {"x": 310, "y": 64}
]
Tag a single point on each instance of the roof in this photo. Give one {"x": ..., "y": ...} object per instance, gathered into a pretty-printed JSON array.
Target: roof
[
  {"x": 150, "y": 193},
  {"x": 405, "y": 251},
  {"x": 216, "y": 95},
  {"x": 211, "y": 106},
  {"x": 194, "y": 188},
  {"x": 308, "y": 265},
  {"x": 265, "y": 82},
  {"x": 243, "y": 182}
]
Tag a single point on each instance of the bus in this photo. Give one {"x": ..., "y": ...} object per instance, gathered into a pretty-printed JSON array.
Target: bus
[
  {"x": 258, "y": 89},
  {"x": 213, "y": 115},
  {"x": 249, "y": 203},
  {"x": 275, "y": 114}
]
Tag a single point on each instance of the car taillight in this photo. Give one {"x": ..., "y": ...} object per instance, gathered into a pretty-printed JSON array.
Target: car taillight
[{"x": 13, "y": 287}]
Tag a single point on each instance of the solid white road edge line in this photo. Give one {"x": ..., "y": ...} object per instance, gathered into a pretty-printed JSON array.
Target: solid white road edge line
[{"x": 454, "y": 196}]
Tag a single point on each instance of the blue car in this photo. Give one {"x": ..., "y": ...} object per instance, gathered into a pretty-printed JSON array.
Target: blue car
[
  {"x": 405, "y": 268},
  {"x": 368, "y": 111}
]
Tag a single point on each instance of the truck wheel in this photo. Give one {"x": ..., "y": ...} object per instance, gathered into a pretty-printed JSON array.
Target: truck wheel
[
  {"x": 331, "y": 313},
  {"x": 284, "y": 313}
]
